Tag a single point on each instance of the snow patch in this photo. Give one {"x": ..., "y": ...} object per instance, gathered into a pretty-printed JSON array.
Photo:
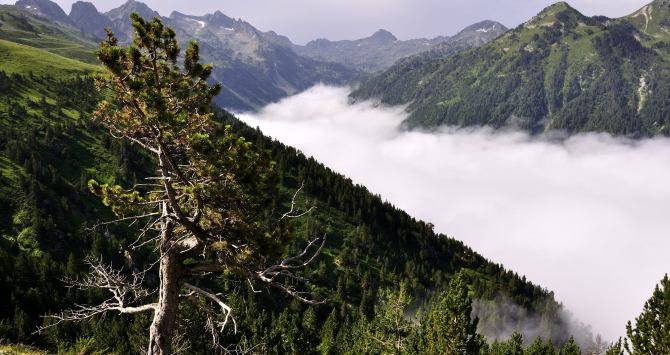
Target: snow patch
[{"x": 201, "y": 23}]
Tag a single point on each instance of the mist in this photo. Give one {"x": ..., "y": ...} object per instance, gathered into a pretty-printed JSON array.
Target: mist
[{"x": 584, "y": 217}]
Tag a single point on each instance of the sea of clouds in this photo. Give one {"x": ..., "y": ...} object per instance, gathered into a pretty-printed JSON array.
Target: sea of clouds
[{"x": 586, "y": 217}]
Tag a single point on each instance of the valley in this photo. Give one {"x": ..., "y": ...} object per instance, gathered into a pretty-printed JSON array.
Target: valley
[{"x": 478, "y": 192}]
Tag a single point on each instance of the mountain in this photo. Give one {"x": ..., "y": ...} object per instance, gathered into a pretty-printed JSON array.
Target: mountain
[
  {"x": 256, "y": 68},
  {"x": 560, "y": 70},
  {"x": 21, "y": 26},
  {"x": 85, "y": 16},
  {"x": 49, "y": 149},
  {"x": 120, "y": 18},
  {"x": 44, "y": 8},
  {"x": 477, "y": 34},
  {"x": 383, "y": 49}
]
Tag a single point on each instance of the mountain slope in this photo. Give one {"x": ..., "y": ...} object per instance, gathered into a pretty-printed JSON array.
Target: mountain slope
[
  {"x": 48, "y": 151},
  {"x": 253, "y": 67},
  {"x": 21, "y": 59},
  {"x": 44, "y": 8},
  {"x": 383, "y": 49},
  {"x": 559, "y": 71},
  {"x": 85, "y": 16},
  {"x": 20, "y": 26}
]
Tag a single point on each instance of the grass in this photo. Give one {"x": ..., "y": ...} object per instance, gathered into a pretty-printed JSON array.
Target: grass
[
  {"x": 22, "y": 59},
  {"x": 21, "y": 27},
  {"x": 20, "y": 350}
]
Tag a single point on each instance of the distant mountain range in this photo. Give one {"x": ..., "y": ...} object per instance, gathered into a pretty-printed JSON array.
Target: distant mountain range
[
  {"x": 561, "y": 70},
  {"x": 383, "y": 49},
  {"x": 255, "y": 67}
]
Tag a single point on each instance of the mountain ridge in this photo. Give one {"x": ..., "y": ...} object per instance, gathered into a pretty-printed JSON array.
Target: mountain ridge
[
  {"x": 560, "y": 70},
  {"x": 45, "y": 8},
  {"x": 382, "y": 49},
  {"x": 258, "y": 68}
]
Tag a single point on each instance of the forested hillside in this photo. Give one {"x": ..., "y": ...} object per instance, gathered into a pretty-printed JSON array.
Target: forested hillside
[
  {"x": 559, "y": 71},
  {"x": 50, "y": 149}
]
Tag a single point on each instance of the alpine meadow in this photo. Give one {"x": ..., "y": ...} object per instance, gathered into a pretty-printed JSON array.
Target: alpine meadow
[{"x": 350, "y": 177}]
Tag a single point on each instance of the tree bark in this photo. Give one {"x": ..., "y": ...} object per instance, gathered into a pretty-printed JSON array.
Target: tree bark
[{"x": 162, "y": 328}]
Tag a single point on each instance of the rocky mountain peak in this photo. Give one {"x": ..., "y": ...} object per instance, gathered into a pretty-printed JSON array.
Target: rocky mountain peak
[
  {"x": 44, "y": 8},
  {"x": 85, "y": 16},
  {"x": 383, "y": 36},
  {"x": 123, "y": 12},
  {"x": 220, "y": 19},
  {"x": 479, "y": 33},
  {"x": 551, "y": 10}
]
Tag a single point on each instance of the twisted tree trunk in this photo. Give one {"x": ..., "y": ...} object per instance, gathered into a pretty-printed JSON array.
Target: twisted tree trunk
[
  {"x": 162, "y": 327},
  {"x": 161, "y": 331}
]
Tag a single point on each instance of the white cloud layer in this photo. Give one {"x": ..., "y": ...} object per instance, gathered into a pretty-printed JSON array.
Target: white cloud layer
[{"x": 586, "y": 218}]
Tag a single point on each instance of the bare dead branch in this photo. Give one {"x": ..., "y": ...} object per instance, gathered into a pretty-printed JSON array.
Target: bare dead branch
[
  {"x": 102, "y": 276},
  {"x": 284, "y": 271},
  {"x": 291, "y": 213},
  {"x": 123, "y": 219},
  {"x": 226, "y": 310}
]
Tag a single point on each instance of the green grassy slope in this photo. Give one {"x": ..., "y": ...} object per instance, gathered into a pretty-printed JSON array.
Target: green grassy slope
[
  {"x": 23, "y": 59},
  {"x": 560, "y": 70},
  {"x": 21, "y": 27}
]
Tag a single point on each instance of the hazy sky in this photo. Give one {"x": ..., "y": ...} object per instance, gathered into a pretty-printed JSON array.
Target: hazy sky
[
  {"x": 586, "y": 218},
  {"x": 304, "y": 20}
]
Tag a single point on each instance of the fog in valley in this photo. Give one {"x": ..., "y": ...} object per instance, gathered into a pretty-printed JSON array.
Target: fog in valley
[{"x": 585, "y": 217}]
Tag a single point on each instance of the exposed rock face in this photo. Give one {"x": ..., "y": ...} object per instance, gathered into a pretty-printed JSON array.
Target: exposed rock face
[
  {"x": 120, "y": 18},
  {"x": 44, "y": 8},
  {"x": 86, "y": 17}
]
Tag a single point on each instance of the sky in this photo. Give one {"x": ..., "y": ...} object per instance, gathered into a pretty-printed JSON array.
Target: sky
[
  {"x": 305, "y": 20},
  {"x": 585, "y": 218}
]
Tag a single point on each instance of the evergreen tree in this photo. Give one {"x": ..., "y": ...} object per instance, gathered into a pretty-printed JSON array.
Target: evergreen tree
[
  {"x": 328, "y": 333},
  {"x": 206, "y": 211},
  {"x": 570, "y": 348},
  {"x": 513, "y": 346},
  {"x": 389, "y": 328},
  {"x": 538, "y": 347},
  {"x": 616, "y": 348},
  {"x": 651, "y": 333},
  {"x": 448, "y": 328}
]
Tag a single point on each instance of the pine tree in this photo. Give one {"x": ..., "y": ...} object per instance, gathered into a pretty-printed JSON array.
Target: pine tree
[
  {"x": 615, "y": 349},
  {"x": 570, "y": 348},
  {"x": 538, "y": 347},
  {"x": 205, "y": 213},
  {"x": 390, "y": 328},
  {"x": 448, "y": 328},
  {"x": 309, "y": 321},
  {"x": 651, "y": 333},
  {"x": 328, "y": 334},
  {"x": 512, "y": 346}
]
